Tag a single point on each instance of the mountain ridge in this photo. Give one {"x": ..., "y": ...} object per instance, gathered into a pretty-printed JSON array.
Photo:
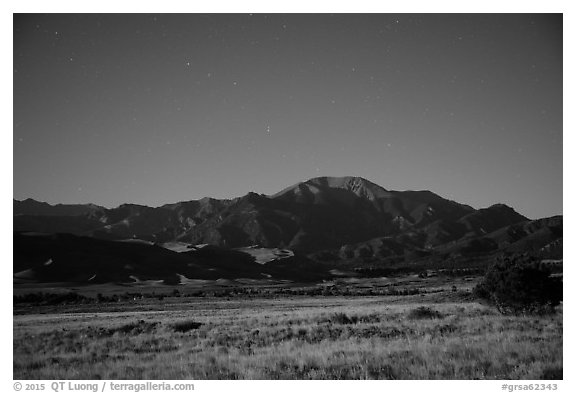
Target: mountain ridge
[
  {"x": 326, "y": 223},
  {"x": 328, "y": 179},
  {"x": 319, "y": 213}
]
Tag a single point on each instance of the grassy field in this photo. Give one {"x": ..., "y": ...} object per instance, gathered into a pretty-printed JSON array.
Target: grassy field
[{"x": 288, "y": 337}]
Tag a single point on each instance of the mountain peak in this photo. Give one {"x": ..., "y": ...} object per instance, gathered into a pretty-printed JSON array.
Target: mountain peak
[
  {"x": 502, "y": 206},
  {"x": 30, "y": 201},
  {"x": 358, "y": 185},
  {"x": 318, "y": 187},
  {"x": 340, "y": 182}
]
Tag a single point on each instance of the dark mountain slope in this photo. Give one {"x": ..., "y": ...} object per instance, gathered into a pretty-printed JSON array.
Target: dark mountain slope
[
  {"x": 69, "y": 258},
  {"x": 484, "y": 221},
  {"x": 34, "y": 208},
  {"x": 62, "y": 257},
  {"x": 76, "y": 225}
]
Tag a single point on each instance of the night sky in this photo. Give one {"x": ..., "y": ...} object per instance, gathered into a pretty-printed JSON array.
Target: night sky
[{"x": 154, "y": 109}]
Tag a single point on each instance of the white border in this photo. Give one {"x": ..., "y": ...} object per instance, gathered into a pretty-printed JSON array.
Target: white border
[{"x": 300, "y": 6}]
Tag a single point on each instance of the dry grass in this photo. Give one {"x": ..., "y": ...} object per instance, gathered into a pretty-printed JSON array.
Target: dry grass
[{"x": 335, "y": 338}]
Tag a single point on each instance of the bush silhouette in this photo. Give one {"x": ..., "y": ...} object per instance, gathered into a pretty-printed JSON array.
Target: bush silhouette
[
  {"x": 424, "y": 313},
  {"x": 520, "y": 284},
  {"x": 343, "y": 319},
  {"x": 185, "y": 326}
]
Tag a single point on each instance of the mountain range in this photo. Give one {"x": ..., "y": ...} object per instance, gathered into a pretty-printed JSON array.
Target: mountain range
[{"x": 334, "y": 222}]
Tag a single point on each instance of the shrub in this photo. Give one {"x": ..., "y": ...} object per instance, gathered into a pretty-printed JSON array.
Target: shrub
[
  {"x": 185, "y": 326},
  {"x": 519, "y": 284},
  {"x": 552, "y": 373},
  {"x": 424, "y": 313},
  {"x": 343, "y": 319},
  {"x": 52, "y": 299},
  {"x": 135, "y": 328}
]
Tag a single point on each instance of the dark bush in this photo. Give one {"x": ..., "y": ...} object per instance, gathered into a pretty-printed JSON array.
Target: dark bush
[
  {"x": 52, "y": 299},
  {"x": 520, "y": 284},
  {"x": 185, "y": 326},
  {"x": 343, "y": 319},
  {"x": 135, "y": 328},
  {"x": 552, "y": 373},
  {"x": 424, "y": 313}
]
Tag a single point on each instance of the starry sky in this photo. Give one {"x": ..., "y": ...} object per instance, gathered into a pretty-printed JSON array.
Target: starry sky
[{"x": 154, "y": 109}]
